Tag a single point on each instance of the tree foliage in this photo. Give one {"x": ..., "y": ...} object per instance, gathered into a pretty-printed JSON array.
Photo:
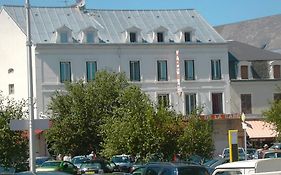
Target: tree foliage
[
  {"x": 13, "y": 145},
  {"x": 111, "y": 116},
  {"x": 273, "y": 115},
  {"x": 80, "y": 110},
  {"x": 196, "y": 138}
]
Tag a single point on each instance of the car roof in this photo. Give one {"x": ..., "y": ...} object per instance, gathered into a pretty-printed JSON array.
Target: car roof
[
  {"x": 254, "y": 163},
  {"x": 173, "y": 164}
]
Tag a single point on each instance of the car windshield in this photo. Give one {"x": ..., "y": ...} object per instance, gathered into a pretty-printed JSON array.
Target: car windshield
[
  {"x": 50, "y": 164},
  {"x": 91, "y": 165},
  {"x": 78, "y": 160},
  {"x": 120, "y": 159},
  {"x": 240, "y": 152}
]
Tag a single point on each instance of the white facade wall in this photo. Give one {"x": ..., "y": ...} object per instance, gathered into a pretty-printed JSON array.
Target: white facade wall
[
  {"x": 261, "y": 93},
  {"x": 13, "y": 56},
  {"x": 117, "y": 57}
]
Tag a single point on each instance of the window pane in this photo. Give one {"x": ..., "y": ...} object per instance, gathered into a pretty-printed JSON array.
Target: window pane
[
  {"x": 276, "y": 71},
  {"x": 244, "y": 72},
  {"x": 162, "y": 70},
  {"x": 133, "y": 37},
  {"x": 63, "y": 37},
  {"x": 160, "y": 37},
  {"x": 277, "y": 96},
  {"x": 65, "y": 72},
  {"x": 163, "y": 100},
  {"x": 189, "y": 70},
  {"x": 134, "y": 71},
  {"x": 246, "y": 103},
  {"x": 11, "y": 89},
  {"x": 91, "y": 70},
  {"x": 216, "y": 69},
  {"x": 90, "y": 37},
  {"x": 190, "y": 100},
  {"x": 217, "y": 103},
  {"x": 187, "y": 36}
]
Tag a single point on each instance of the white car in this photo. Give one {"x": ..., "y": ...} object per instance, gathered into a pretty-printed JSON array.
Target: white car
[{"x": 241, "y": 153}]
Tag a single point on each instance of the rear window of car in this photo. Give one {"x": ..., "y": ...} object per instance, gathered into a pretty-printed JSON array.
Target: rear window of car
[{"x": 192, "y": 171}]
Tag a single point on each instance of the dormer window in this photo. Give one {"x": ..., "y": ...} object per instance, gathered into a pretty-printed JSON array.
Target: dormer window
[
  {"x": 63, "y": 34},
  {"x": 276, "y": 71},
  {"x": 63, "y": 37},
  {"x": 160, "y": 34},
  {"x": 90, "y": 37},
  {"x": 185, "y": 34},
  {"x": 187, "y": 37},
  {"x": 160, "y": 37},
  {"x": 133, "y": 37}
]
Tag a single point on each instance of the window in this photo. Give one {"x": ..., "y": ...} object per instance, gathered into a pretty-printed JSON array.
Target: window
[
  {"x": 160, "y": 37},
  {"x": 65, "y": 71},
  {"x": 189, "y": 69},
  {"x": 217, "y": 103},
  {"x": 187, "y": 37},
  {"x": 246, "y": 103},
  {"x": 134, "y": 71},
  {"x": 216, "y": 69},
  {"x": 190, "y": 103},
  {"x": 162, "y": 70},
  {"x": 276, "y": 71},
  {"x": 133, "y": 37},
  {"x": 63, "y": 37},
  {"x": 11, "y": 89},
  {"x": 90, "y": 37},
  {"x": 91, "y": 70},
  {"x": 277, "y": 96},
  {"x": 163, "y": 100},
  {"x": 244, "y": 72}
]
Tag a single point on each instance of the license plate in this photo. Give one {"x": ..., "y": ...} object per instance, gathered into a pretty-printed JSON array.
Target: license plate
[{"x": 90, "y": 172}]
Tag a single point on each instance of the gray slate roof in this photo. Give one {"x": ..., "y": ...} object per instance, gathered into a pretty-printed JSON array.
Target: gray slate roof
[
  {"x": 245, "y": 52},
  {"x": 263, "y": 32},
  {"x": 111, "y": 24}
]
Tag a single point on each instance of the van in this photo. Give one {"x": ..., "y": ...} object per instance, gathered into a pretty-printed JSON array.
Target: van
[{"x": 249, "y": 167}]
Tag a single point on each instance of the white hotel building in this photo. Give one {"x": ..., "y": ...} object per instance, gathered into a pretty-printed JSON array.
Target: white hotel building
[{"x": 70, "y": 44}]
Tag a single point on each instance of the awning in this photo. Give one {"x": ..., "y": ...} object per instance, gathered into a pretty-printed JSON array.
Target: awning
[{"x": 260, "y": 129}]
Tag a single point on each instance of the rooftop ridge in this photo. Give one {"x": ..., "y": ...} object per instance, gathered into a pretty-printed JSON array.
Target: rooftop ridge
[
  {"x": 96, "y": 9},
  {"x": 249, "y": 20}
]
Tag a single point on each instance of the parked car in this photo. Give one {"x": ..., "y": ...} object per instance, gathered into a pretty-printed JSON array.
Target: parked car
[
  {"x": 241, "y": 153},
  {"x": 42, "y": 173},
  {"x": 275, "y": 146},
  {"x": 167, "y": 168},
  {"x": 213, "y": 163},
  {"x": 250, "y": 167},
  {"x": 124, "y": 162},
  {"x": 55, "y": 165},
  {"x": 40, "y": 160},
  {"x": 271, "y": 154},
  {"x": 78, "y": 160},
  {"x": 98, "y": 166},
  {"x": 251, "y": 153}
]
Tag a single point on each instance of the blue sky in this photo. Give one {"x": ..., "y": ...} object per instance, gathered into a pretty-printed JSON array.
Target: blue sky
[{"x": 216, "y": 12}]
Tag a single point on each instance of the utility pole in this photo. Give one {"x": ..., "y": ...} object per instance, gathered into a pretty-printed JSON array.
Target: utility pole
[{"x": 30, "y": 89}]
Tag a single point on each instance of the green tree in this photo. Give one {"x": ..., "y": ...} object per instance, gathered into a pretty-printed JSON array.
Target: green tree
[
  {"x": 80, "y": 110},
  {"x": 196, "y": 138},
  {"x": 137, "y": 128},
  {"x": 273, "y": 115},
  {"x": 13, "y": 145}
]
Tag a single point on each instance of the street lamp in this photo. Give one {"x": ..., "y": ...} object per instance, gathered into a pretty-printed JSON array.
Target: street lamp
[
  {"x": 244, "y": 127},
  {"x": 30, "y": 89}
]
